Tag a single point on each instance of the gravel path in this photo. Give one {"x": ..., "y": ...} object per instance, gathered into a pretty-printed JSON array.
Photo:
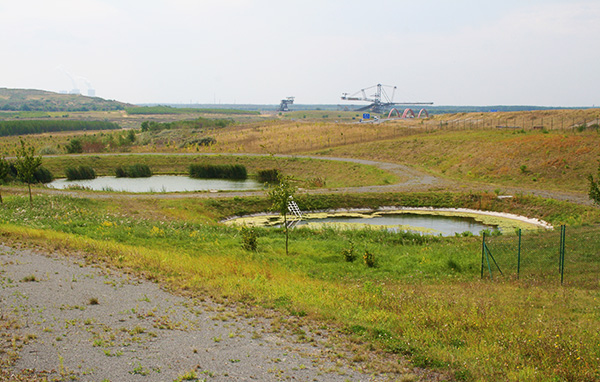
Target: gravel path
[{"x": 82, "y": 322}]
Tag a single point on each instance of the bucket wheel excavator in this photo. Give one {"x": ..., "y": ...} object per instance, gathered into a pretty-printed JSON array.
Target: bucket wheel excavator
[{"x": 380, "y": 101}]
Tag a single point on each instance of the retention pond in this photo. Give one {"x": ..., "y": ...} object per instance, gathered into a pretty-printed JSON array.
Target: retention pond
[
  {"x": 449, "y": 222},
  {"x": 157, "y": 183}
]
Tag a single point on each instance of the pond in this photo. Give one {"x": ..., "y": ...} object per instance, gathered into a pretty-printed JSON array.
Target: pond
[
  {"x": 419, "y": 223},
  {"x": 158, "y": 183},
  {"x": 427, "y": 221}
]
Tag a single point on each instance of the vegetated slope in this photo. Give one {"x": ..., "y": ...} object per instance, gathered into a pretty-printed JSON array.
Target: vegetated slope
[
  {"x": 554, "y": 160},
  {"x": 549, "y": 149},
  {"x": 424, "y": 299},
  {"x": 40, "y": 100}
]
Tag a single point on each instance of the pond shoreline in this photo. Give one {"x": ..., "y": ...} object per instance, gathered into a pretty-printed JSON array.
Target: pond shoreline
[{"x": 484, "y": 217}]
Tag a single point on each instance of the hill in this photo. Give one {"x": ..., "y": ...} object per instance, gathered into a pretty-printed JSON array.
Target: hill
[{"x": 41, "y": 100}]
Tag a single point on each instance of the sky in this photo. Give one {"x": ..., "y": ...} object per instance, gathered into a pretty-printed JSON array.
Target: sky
[{"x": 461, "y": 52}]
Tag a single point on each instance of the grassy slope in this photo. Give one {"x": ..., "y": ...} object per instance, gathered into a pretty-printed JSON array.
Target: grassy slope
[
  {"x": 556, "y": 160},
  {"x": 424, "y": 299}
]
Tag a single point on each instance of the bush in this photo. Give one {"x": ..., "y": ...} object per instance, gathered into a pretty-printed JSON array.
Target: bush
[
  {"x": 43, "y": 175},
  {"x": 81, "y": 172},
  {"x": 369, "y": 259},
  {"x": 268, "y": 176},
  {"x": 223, "y": 171},
  {"x": 249, "y": 239},
  {"x": 134, "y": 171},
  {"x": 349, "y": 254},
  {"x": 74, "y": 146}
]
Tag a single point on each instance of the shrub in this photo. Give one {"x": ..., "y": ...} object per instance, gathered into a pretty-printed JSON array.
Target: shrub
[
  {"x": 74, "y": 146},
  {"x": 223, "y": 171},
  {"x": 43, "y": 175},
  {"x": 249, "y": 239},
  {"x": 268, "y": 176},
  {"x": 48, "y": 150},
  {"x": 349, "y": 254},
  {"x": 139, "y": 171},
  {"x": 120, "y": 172},
  {"x": 134, "y": 171},
  {"x": 81, "y": 172},
  {"x": 369, "y": 259}
]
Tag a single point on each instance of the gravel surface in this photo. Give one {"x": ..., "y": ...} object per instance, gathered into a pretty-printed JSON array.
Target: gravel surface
[{"x": 88, "y": 323}]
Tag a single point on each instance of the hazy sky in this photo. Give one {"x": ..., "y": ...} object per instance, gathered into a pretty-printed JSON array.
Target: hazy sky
[{"x": 461, "y": 52}]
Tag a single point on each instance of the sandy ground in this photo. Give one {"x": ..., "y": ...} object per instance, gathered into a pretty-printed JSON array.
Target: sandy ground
[{"x": 88, "y": 323}]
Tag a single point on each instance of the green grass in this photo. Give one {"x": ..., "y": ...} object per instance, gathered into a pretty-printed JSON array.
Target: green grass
[
  {"x": 423, "y": 298},
  {"x": 305, "y": 171}
]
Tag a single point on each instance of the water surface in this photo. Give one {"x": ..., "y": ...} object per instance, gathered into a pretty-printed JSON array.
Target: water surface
[
  {"x": 427, "y": 224},
  {"x": 158, "y": 183}
]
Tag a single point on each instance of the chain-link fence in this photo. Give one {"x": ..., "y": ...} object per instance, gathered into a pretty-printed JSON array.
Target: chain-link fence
[{"x": 548, "y": 255}]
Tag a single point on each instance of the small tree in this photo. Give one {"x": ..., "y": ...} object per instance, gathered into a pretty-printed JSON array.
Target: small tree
[
  {"x": 595, "y": 187},
  {"x": 27, "y": 164},
  {"x": 74, "y": 146},
  {"x": 4, "y": 168},
  {"x": 280, "y": 195}
]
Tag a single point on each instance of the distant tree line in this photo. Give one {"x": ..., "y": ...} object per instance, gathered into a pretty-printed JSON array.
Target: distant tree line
[
  {"x": 189, "y": 124},
  {"x": 183, "y": 110},
  {"x": 8, "y": 128},
  {"x": 50, "y": 105}
]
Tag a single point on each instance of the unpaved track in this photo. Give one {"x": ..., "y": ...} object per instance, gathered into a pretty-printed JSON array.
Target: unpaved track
[{"x": 139, "y": 332}]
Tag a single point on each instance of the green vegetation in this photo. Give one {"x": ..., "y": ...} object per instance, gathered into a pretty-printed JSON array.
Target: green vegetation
[
  {"x": 149, "y": 110},
  {"x": 27, "y": 164},
  {"x": 81, "y": 172},
  {"x": 4, "y": 169},
  {"x": 24, "y": 127},
  {"x": 280, "y": 195},
  {"x": 198, "y": 123},
  {"x": 595, "y": 187},
  {"x": 249, "y": 239},
  {"x": 223, "y": 171},
  {"x": 423, "y": 299},
  {"x": 268, "y": 176},
  {"x": 137, "y": 170},
  {"x": 336, "y": 174}
]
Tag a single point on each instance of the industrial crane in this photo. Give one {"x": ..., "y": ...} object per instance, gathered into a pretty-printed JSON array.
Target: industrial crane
[
  {"x": 284, "y": 105},
  {"x": 379, "y": 100}
]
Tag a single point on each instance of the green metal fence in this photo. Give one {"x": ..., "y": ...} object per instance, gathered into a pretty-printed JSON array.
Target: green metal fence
[{"x": 510, "y": 255}]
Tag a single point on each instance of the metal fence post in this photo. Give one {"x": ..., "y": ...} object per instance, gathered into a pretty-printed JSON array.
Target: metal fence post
[
  {"x": 482, "y": 251},
  {"x": 519, "y": 256},
  {"x": 563, "y": 231}
]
